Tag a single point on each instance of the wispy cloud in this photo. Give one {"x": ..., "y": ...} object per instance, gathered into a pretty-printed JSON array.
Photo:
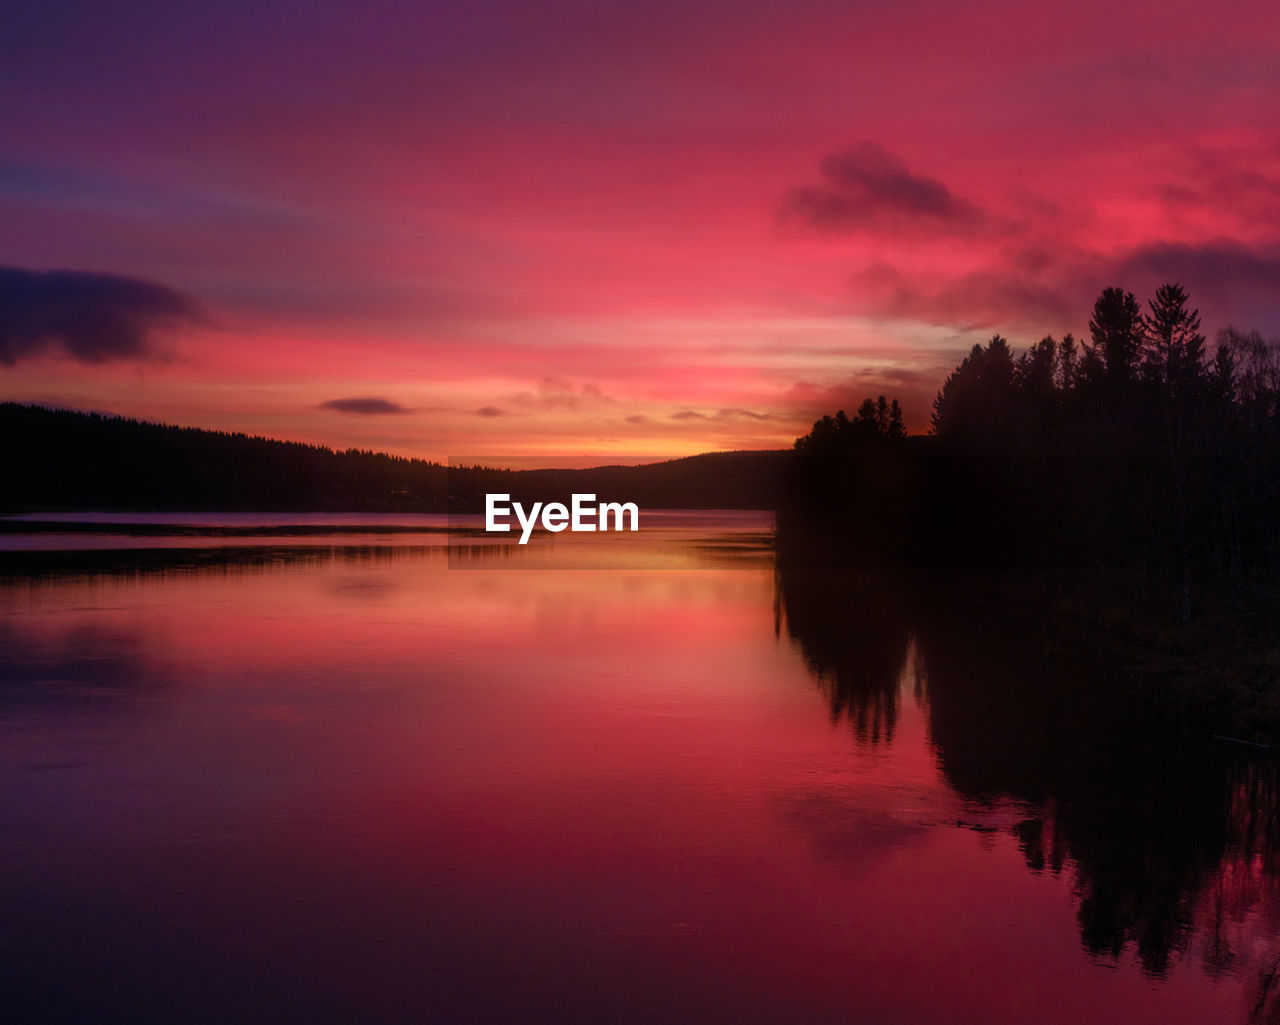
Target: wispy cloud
[
  {"x": 561, "y": 393},
  {"x": 724, "y": 416}
]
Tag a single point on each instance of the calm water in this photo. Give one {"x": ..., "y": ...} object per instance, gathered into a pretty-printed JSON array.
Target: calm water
[{"x": 340, "y": 774}]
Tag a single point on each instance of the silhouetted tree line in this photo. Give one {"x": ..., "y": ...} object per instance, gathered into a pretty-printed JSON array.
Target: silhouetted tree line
[
  {"x": 1134, "y": 456},
  {"x": 57, "y": 459}
]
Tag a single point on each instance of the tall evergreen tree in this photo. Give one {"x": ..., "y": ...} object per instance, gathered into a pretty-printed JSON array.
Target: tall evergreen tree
[
  {"x": 1068, "y": 363},
  {"x": 1176, "y": 346},
  {"x": 1037, "y": 369},
  {"x": 1117, "y": 330},
  {"x": 976, "y": 397},
  {"x": 896, "y": 427}
]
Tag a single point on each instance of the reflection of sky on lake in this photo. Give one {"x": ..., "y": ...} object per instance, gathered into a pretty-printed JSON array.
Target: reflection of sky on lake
[{"x": 379, "y": 789}]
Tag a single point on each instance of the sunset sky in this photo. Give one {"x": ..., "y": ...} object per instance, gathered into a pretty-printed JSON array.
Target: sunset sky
[{"x": 607, "y": 231}]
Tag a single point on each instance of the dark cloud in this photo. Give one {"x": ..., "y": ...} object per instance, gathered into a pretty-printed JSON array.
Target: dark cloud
[
  {"x": 366, "y": 406},
  {"x": 1229, "y": 282},
  {"x": 638, "y": 418},
  {"x": 688, "y": 414},
  {"x": 866, "y": 187},
  {"x": 1220, "y": 266},
  {"x": 490, "y": 411},
  {"x": 90, "y": 317}
]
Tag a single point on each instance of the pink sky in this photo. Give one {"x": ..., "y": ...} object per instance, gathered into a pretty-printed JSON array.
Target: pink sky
[{"x": 613, "y": 231}]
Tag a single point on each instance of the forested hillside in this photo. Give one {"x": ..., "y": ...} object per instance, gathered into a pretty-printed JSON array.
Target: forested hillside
[{"x": 60, "y": 460}]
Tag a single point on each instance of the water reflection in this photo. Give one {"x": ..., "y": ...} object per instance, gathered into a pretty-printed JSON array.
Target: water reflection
[
  {"x": 1169, "y": 835},
  {"x": 80, "y": 664},
  {"x": 854, "y": 630},
  {"x": 36, "y": 566},
  {"x": 347, "y": 782}
]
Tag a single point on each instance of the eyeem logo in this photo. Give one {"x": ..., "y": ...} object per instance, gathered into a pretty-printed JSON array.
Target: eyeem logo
[{"x": 581, "y": 515}]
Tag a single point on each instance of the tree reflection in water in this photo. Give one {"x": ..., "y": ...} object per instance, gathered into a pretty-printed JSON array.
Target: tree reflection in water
[
  {"x": 853, "y": 630},
  {"x": 1170, "y": 835}
]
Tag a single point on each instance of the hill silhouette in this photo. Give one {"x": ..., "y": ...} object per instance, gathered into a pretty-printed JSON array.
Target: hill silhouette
[{"x": 64, "y": 460}]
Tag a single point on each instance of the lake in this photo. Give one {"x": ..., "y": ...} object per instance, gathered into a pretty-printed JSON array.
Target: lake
[{"x": 335, "y": 769}]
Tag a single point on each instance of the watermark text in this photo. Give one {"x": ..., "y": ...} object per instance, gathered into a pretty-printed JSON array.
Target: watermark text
[{"x": 581, "y": 515}]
